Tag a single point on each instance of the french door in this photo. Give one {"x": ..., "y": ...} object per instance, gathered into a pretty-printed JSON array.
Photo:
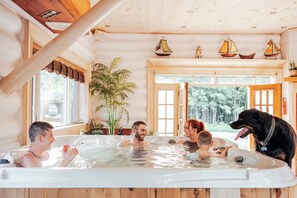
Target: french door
[
  {"x": 266, "y": 98},
  {"x": 166, "y": 109}
]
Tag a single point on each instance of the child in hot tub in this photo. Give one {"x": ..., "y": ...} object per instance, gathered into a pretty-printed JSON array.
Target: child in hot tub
[{"x": 205, "y": 143}]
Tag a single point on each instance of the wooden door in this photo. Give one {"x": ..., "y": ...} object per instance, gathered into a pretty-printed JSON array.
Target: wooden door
[
  {"x": 166, "y": 109},
  {"x": 266, "y": 98}
]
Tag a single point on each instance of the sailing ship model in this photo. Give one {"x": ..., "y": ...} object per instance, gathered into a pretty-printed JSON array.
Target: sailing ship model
[
  {"x": 228, "y": 49},
  {"x": 272, "y": 50},
  {"x": 250, "y": 56},
  {"x": 162, "y": 48}
]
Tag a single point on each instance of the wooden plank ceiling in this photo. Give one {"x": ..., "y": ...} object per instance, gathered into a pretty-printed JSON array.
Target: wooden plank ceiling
[
  {"x": 178, "y": 16},
  {"x": 202, "y": 17}
]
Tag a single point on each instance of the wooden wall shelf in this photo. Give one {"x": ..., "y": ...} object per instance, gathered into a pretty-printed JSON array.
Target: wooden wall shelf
[
  {"x": 291, "y": 79},
  {"x": 205, "y": 62}
]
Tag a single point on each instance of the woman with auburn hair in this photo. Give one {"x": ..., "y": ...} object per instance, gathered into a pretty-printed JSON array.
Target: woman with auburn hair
[{"x": 192, "y": 128}]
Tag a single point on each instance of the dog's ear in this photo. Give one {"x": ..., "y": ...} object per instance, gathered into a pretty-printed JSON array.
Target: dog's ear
[
  {"x": 256, "y": 115},
  {"x": 260, "y": 116},
  {"x": 263, "y": 117}
]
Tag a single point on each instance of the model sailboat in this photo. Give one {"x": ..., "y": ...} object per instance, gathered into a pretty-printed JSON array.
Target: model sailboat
[
  {"x": 162, "y": 48},
  {"x": 272, "y": 50},
  {"x": 250, "y": 56},
  {"x": 228, "y": 49}
]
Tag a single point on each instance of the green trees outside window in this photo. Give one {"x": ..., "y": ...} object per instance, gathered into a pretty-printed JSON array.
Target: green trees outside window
[{"x": 217, "y": 106}]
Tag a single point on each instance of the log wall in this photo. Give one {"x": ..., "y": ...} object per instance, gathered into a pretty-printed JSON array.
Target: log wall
[{"x": 11, "y": 29}]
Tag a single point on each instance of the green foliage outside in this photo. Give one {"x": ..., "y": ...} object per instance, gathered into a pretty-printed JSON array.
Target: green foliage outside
[
  {"x": 110, "y": 86},
  {"x": 47, "y": 84},
  {"x": 217, "y": 106}
]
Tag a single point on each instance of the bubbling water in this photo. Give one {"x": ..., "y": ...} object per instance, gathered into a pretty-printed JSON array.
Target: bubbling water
[{"x": 93, "y": 155}]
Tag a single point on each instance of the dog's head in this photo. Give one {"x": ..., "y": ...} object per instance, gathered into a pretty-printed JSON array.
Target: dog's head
[{"x": 252, "y": 121}]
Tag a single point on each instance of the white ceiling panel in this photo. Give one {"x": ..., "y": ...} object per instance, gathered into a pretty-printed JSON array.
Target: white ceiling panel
[{"x": 202, "y": 16}]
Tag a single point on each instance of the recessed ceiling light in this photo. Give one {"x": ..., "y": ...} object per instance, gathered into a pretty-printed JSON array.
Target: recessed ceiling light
[
  {"x": 254, "y": 27},
  {"x": 49, "y": 13},
  {"x": 183, "y": 26},
  {"x": 273, "y": 12},
  {"x": 107, "y": 25},
  {"x": 284, "y": 26}
]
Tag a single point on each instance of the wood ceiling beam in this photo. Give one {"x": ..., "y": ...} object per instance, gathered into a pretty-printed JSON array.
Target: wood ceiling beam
[
  {"x": 27, "y": 69},
  {"x": 76, "y": 8}
]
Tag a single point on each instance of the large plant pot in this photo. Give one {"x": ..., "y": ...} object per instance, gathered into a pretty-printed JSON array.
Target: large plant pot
[
  {"x": 293, "y": 72},
  {"x": 126, "y": 131}
]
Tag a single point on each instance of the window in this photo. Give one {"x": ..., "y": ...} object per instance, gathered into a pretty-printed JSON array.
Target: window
[
  {"x": 214, "y": 79},
  {"x": 56, "y": 99},
  {"x": 164, "y": 79},
  {"x": 226, "y": 80},
  {"x": 221, "y": 81},
  {"x": 215, "y": 99},
  {"x": 217, "y": 106}
]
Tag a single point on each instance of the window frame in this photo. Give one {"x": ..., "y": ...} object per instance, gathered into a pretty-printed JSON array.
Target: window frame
[
  {"x": 207, "y": 67},
  {"x": 36, "y": 37},
  {"x": 66, "y": 117}
]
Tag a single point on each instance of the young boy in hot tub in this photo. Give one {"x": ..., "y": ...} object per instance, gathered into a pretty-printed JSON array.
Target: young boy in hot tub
[{"x": 205, "y": 143}]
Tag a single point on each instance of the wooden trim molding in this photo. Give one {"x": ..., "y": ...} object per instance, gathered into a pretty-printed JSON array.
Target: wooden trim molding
[
  {"x": 69, "y": 130},
  {"x": 27, "y": 69},
  {"x": 150, "y": 99},
  {"x": 290, "y": 79},
  {"x": 187, "y": 100},
  {"x": 216, "y": 63},
  {"x": 26, "y": 89}
]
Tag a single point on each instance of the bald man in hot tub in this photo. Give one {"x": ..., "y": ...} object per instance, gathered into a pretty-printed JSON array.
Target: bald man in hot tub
[
  {"x": 139, "y": 131},
  {"x": 41, "y": 137}
]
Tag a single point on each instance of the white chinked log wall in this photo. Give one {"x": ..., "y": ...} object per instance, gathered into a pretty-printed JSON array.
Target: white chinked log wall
[
  {"x": 135, "y": 49},
  {"x": 11, "y": 27},
  {"x": 289, "y": 47}
]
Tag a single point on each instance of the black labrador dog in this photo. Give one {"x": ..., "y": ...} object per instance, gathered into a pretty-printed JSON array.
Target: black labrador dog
[{"x": 273, "y": 136}]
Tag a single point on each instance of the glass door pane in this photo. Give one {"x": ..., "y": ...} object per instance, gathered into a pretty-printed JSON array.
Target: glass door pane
[
  {"x": 165, "y": 112},
  {"x": 166, "y": 123}
]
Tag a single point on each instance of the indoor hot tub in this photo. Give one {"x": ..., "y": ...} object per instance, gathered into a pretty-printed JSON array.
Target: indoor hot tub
[{"x": 103, "y": 164}]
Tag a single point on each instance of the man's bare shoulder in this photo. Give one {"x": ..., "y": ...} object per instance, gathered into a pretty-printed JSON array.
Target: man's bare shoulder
[
  {"x": 124, "y": 143},
  {"x": 131, "y": 143},
  {"x": 29, "y": 160}
]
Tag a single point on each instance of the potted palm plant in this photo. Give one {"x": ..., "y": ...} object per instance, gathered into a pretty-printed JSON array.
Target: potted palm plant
[{"x": 110, "y": 86}]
